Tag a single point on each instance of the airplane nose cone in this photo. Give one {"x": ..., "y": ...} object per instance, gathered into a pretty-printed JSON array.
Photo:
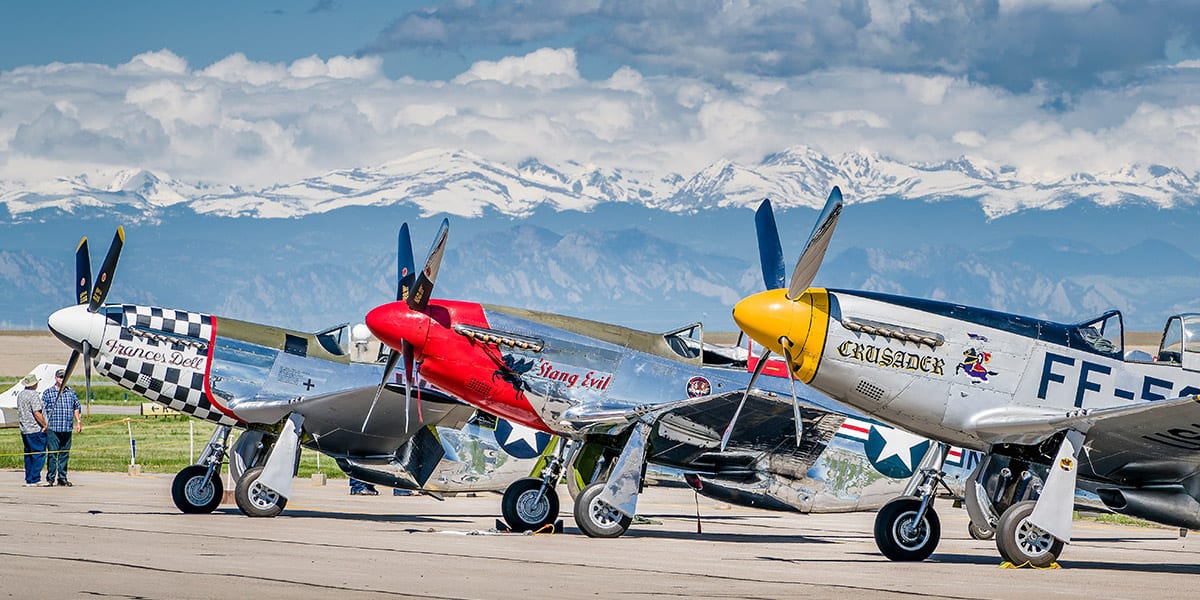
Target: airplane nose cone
[
  {"x": 768, "y": 316},
  {"x": 396, "y": 322},
  {"x": 74, "y": 324}
]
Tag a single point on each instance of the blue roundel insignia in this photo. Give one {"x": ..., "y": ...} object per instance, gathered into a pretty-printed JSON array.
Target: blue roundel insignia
[
  {"x": 520, "y": 441},
  {"x": 895, "y": 453}
]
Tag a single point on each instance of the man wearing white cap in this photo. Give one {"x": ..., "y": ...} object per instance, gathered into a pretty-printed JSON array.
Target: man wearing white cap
[{"x": 33, "y": 429}]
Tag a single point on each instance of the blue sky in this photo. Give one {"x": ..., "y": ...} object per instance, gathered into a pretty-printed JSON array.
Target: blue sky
[{"x": 255, "y": 93}]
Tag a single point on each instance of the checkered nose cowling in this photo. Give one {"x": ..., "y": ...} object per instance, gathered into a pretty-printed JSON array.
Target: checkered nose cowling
[{"x": 162, "y": 354}]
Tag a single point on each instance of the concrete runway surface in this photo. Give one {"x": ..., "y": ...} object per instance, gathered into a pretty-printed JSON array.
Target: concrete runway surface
[{"x": 112, "y": 535}]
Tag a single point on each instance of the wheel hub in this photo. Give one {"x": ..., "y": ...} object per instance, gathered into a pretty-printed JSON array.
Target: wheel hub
[
  {"x": 262, "y": 496},
  {"x": 1032, "y": 540},
  {"x": 531, "y": 508},
  {"x": 603, "y": 514},
  {"x": 910, "y": 533},
  {"x": 199, "y": 490}
]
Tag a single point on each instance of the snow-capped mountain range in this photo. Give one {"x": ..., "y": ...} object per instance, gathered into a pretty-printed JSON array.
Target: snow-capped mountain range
[
  {"x": 648, "y": 250},
  {"x": 460, "y": 183}
]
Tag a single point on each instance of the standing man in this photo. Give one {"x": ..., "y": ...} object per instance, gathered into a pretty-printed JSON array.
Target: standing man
[
  {"x": 62, "y": 417},
  {"x": 33, "y": 429}
]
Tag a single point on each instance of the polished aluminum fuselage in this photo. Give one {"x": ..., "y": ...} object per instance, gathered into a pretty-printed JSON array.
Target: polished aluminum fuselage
[{"x": 232, "y": 372}]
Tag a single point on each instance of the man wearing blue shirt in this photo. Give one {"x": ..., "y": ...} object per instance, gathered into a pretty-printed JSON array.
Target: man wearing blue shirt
[{"x": 61, "y": 409}]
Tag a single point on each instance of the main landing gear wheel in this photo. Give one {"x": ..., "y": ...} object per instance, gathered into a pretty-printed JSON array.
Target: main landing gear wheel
[
  {"x": 522, "y": 509},
  {"x": 194, "y": 492},
  {"x": 596, "y": 518},
  {"x": 1021, "y": 542},
  {"x": 897, "y": 534},
  {"x": 255, "y": 499},
  {"x": 980, "y": 533}
]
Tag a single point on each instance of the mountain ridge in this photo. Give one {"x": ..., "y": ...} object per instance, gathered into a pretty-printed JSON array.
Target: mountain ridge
[{"x": 460, "y": 183}]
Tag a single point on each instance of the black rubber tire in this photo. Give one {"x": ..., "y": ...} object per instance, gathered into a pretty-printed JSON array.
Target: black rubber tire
[
  {"x": 192, "y": 495},
  {"x": 980, "y": 533},
  {"x": 1020, "y": 543},
  {"x": 255, "y": 500},
  {"x": 519, "y": 509},
  {"x": 891, "y": 522},
  {"x": 595, "y": 518}
]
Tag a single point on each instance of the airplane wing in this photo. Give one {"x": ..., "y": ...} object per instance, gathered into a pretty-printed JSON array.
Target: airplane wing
[
  {"x": 334, "y": 420},
  {"x": 599, "y": 414},
  {"x": 1147, "y": 442}
]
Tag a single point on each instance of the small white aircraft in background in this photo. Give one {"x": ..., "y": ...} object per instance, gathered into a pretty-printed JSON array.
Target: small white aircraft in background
[
  {"x": 1053, "y": 406},
  {"x": 8, "y": 398}
]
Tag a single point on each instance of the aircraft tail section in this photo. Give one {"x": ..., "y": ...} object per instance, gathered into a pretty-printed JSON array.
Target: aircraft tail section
[{"x": 8, "y": 399}]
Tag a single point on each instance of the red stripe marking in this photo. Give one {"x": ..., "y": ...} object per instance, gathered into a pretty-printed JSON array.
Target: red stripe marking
[
  {"x": 855, "y": 428},
  {"x": 208, "y": 368}
]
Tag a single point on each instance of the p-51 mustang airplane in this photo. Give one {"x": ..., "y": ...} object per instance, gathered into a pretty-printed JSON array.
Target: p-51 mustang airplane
[
  {"x": 625, "y": 398},
  {"x": 1053, "y": 406},
  {"x": 286, "y": 389}
]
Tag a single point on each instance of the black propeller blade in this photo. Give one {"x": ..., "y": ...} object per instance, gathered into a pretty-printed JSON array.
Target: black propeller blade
[
  {"x": 94, "y": 297},
  {"x": 405, "y": 280},
  {"x": 104, "y": 277},
  {"x": 770, "y": 251},
  {"x": 83, "y": 272},
  {"x": 69, "y": 368},
  {"x": 405, "y": 265},
  {"x": 419, "y": 299}
]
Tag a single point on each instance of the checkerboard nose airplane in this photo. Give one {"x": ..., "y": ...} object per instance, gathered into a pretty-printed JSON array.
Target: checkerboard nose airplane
[
  {"x": 624, "y": 399},
  {"x": 1060, "y": 412},
  {"x": 285, "y": 389}
]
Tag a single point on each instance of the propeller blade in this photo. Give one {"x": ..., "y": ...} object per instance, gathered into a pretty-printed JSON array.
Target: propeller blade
[
  {"x": 407, "y": 351},
  {"x": 758, "y": 369},
  {"x": 68, "y": 369},
  {"x": 770, "y": 251},
  {"x": 814, "y": 251},
  {"x": 799, "y": 420},
  {"x": 393, "y": 357},
  {"x": 83, "y": 272},
  {"x": 419, "y": 299},
  {"x": 87, "y": 375},
  {"x": 406, "y": 271},
  {"x": 104, "y": 277}
]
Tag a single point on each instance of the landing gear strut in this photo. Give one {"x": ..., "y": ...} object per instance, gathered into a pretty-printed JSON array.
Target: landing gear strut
[
  {"x": 908, "y": 528},
  {"x": 197, "y": 489}
]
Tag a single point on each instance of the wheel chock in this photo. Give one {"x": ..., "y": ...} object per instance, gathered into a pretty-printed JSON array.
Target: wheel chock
[{"x": 1027, "y": 565}]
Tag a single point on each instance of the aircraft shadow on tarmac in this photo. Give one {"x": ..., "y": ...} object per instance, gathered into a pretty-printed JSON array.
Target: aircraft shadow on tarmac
[
  {"x": 356, "y": 516},
  {"x": 733, "y": 538},
  {"x": 1172, "y": 568}
]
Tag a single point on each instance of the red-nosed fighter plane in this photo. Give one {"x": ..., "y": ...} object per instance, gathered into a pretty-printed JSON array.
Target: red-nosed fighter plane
[
  {"x": 286, "y": 389},
  {"x": 625, "y": 398},
  {"x": 1058, "y": 409}
]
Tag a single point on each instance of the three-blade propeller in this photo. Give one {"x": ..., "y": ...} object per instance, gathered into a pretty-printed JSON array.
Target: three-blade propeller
[
  {"x": 93, "y": 297},
  {"x": 415, "y": 289}
]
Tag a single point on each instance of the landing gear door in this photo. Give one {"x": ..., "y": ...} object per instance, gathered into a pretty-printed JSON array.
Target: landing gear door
[{"x": 1191, "y": 342}]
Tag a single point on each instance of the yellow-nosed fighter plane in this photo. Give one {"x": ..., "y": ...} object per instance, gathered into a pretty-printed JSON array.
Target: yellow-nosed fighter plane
[{"x": 1059, "y": 410}]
